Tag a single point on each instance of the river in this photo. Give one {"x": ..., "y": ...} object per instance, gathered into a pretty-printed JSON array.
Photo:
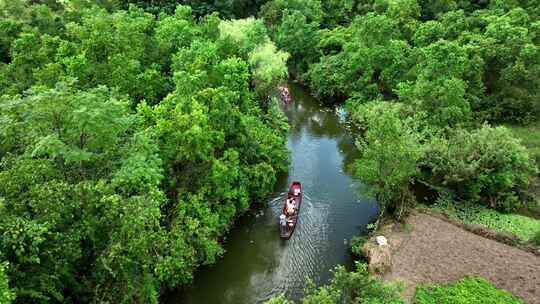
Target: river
[{"x": 257, "y": 263}]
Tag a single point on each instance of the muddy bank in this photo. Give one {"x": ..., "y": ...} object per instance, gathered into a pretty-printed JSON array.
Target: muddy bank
[{"x": 429, "y": 249}]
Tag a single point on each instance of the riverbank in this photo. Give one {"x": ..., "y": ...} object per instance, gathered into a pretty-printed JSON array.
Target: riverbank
[{"x": 427, "y": 249}]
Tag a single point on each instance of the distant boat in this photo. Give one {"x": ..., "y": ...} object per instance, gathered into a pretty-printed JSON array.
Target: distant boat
[
  {"x": 288, "y": 220},
  {"x": 284, "y": 94}
]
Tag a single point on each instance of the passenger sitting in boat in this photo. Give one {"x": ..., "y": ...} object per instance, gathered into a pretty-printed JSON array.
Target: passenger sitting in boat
[
  {"x": 290, "y": 206},
  {"x": 286, "y": 92},
  {"x": 285, "y": 95},
  {"x": 282, "y": 220},
  {"x": 296, "y": 191}
]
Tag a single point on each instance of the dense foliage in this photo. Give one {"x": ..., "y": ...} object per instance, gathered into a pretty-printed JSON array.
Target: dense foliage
[
  {"x": 6, "y": 294},
  {"x": 468, "y": 290},
  {"x": 461, "y": 60},
  {"x": 226, "y": 8},
  {"x": 128, "y": 145},
  {"x": 432, "y": 73},
  {"x": 348, "y": 287}
]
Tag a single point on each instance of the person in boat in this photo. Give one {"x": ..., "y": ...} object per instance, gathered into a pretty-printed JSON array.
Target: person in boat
[
  {"x": 291, "y": 206},
  {"x": 285, "y": 95},
  {"x": 282, "y": 220}
]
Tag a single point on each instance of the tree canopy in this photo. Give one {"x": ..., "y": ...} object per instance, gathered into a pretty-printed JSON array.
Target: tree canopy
[{"x": 129, "y": 143}]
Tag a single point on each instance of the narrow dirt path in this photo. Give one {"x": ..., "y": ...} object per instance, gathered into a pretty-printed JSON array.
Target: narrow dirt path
[{"x": 435, "y": 251}]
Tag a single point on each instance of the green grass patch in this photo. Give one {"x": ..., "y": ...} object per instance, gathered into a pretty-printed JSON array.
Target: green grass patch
[
  {"x": 524, "y": 227},
  {"x": 530, "y": 138},
  {"x": 470, "y": 290},
  {"x": 536, "y": 239}
]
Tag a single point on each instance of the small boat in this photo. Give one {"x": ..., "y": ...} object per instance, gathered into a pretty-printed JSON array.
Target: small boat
[
  {"x": 288, "y": 220},
  {"x": 285, "y": 95}
]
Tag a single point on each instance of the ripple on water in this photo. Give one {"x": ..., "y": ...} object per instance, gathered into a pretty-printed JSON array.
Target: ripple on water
[{"x": 302, "y": 254}]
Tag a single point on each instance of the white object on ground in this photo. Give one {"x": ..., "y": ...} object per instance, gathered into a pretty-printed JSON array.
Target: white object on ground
[{"x": 381, "y": 240}]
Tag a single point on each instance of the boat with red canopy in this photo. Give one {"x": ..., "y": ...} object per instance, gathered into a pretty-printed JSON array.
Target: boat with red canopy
[{"x": 290, "y": 212}]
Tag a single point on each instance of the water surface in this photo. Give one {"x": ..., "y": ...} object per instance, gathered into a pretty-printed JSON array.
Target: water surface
[{"x": 257, "y": 263}]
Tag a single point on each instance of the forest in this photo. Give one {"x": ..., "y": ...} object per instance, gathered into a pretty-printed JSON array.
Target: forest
[
  {"x": 129, "y": 143},
  {"x": 133, "y": 133}
]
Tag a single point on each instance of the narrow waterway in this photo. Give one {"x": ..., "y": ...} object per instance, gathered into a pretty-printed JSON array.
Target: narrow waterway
[{"x": 257, "y": 263}]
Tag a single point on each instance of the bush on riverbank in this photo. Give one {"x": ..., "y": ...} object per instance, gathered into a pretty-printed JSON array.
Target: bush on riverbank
[
  {"x": 486, "y": 166},
  {"x": 466, "y": 291},
  {"x": 349, "y": 287},
  {"x": 357, "y": 243}
]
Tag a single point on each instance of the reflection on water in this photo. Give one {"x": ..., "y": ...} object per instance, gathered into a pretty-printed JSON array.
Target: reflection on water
[{"x": 257, "y": 263}]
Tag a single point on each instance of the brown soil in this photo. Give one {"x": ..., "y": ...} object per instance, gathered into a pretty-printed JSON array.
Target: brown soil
[{"x": 431, "y": 250}]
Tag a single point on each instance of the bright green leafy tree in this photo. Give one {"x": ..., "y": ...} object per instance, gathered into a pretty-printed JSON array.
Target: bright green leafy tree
[
  {"x": 129, "y": 143},
  {"x": 391, "y": 148}
]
